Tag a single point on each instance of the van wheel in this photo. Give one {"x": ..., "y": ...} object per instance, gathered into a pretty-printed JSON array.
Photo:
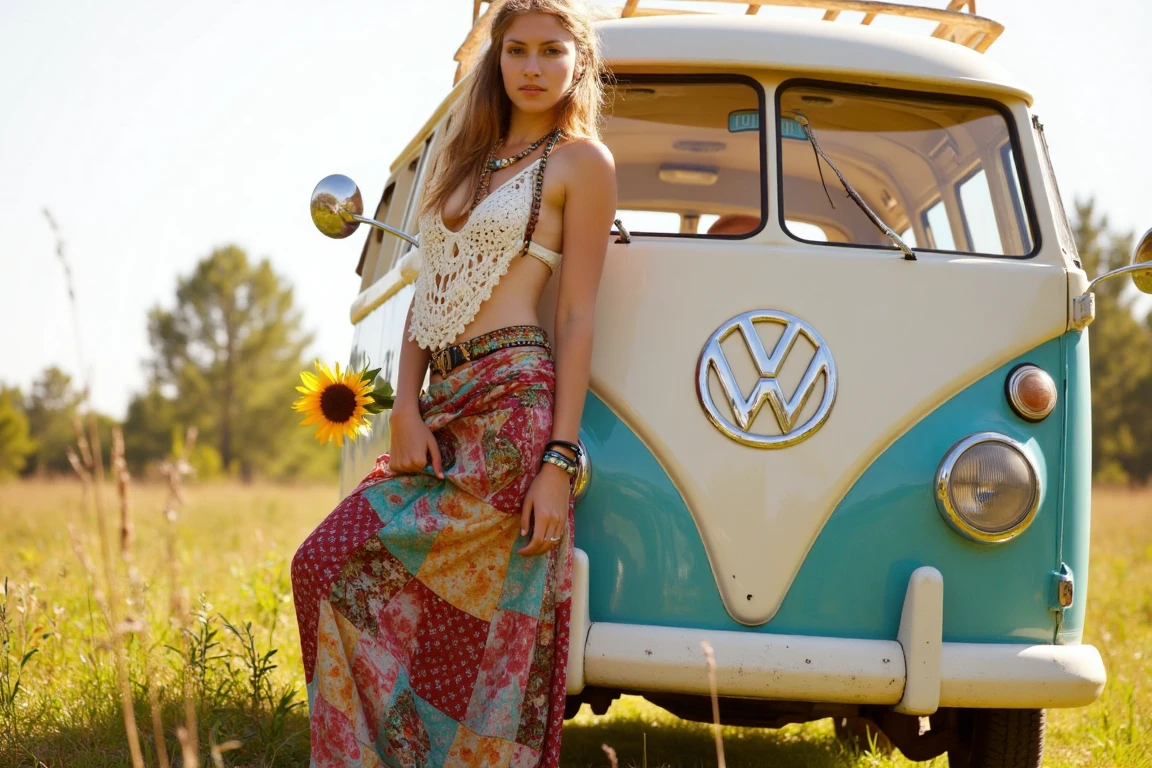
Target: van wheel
[
  {"x": 860, "y": 733},
  {"x": 998, "y": 738}
]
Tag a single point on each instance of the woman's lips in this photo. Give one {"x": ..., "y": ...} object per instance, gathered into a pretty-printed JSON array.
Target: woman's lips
[{"x": 531, "y": 89}]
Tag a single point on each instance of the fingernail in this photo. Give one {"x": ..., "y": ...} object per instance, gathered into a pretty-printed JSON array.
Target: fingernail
[{"x": 523, "y": 532}]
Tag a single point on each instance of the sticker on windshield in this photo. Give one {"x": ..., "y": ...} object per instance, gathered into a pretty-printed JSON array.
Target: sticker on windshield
[
  {"x": 744, "y": 120},
  {"x": 790, "y": 129},
  {"x": 749, "y": 120}
]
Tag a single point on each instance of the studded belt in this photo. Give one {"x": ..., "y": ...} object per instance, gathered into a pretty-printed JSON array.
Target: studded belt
[{"x": 447, "y": 359}]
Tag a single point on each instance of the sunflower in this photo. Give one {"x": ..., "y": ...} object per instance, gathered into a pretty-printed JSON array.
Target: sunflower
[{"x": 336, "y": 401}]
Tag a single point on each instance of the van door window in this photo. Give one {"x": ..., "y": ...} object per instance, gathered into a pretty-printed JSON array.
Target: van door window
[
  {"x": 943, "y": 170},
  {"x": 1063, "y": 229},
  {"x": 689, "y": 154}
]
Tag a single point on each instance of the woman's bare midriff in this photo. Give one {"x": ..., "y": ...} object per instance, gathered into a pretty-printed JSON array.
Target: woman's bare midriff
[{"x": 513, "y": 302}]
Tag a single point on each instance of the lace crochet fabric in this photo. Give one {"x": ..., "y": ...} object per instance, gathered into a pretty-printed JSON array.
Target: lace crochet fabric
[{"x": 459, "y": 270}]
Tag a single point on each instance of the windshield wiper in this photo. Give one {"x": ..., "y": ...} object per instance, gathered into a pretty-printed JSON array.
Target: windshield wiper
[{"x": 852, "y": 193}]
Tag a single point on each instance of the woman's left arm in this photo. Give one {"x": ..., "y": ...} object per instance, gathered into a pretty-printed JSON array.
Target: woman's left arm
[{"x": 589, "y": 210}]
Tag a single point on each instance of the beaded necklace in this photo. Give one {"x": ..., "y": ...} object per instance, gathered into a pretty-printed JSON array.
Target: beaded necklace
[
  {"x": 552, "y": 137},
  {"x": 493, "y": 164}
]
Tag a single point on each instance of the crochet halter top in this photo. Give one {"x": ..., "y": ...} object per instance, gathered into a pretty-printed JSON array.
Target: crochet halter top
[{"x": 459, "y": 270}]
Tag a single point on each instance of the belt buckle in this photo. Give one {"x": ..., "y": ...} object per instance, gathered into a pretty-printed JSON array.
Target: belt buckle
[{"x": 440, "y": 360}]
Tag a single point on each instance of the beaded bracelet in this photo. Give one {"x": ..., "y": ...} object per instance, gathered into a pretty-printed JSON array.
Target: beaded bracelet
[
  {"x": 574, "y": 447},
  {"x": 560, "y": 460}
]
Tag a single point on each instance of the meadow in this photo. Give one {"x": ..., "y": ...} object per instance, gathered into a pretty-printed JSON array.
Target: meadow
[{"x": 207, "y": 653}]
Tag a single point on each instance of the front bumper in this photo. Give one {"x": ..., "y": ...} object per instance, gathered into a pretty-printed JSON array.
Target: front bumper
[{"x": 916, "y": 674}]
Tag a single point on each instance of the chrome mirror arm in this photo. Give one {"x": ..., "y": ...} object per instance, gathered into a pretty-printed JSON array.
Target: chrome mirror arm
[
  {"x": 1117, "y": 272},
  {"x": 390, "y": 230},
  {"x": 1084, "y": 306}
]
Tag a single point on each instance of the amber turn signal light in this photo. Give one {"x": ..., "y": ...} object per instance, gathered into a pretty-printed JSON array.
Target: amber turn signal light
[{"x": 1031, "y": 392}]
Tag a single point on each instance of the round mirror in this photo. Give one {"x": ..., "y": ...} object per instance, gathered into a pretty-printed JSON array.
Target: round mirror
[
  {"x": 1143, "y": 279},
  {"x": 334, "y": 201}
]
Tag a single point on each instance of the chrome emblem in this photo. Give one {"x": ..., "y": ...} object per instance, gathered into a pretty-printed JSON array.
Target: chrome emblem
[{"x": 767, "y": 388}]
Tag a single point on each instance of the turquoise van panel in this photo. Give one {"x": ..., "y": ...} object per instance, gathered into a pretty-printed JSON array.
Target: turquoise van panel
[
  {"x": 648, "y": 565},
  {"x": 1078, "y": 480}
]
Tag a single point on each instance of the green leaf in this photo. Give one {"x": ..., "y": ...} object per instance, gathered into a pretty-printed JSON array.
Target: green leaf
[
  {"x": 385, "y": 402},
  {"x": 370, "y": 376}
]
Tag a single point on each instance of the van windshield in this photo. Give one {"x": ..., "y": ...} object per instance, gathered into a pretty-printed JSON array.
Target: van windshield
[
  {"x": 942, "y": 174},
  {"x": 688, "y": 154}
]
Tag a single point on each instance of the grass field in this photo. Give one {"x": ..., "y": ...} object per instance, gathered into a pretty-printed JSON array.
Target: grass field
[{"x": 240, "y": 659}]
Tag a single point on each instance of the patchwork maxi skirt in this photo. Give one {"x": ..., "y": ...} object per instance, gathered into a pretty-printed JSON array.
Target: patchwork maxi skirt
[{"x": 427, "y": 640}]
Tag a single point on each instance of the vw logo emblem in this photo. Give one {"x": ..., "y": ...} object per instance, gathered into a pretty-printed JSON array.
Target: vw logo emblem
[{"x": 736, "y": 420}]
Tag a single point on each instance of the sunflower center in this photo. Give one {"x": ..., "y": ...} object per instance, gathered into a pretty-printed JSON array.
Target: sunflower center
[{"x": 338, "y": 403}]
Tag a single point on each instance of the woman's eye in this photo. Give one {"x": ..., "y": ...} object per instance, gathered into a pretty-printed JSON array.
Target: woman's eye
[{"x": 554, "y": 50}]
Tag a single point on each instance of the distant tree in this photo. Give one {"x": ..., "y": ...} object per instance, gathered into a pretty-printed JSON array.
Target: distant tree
[
  {"x": 51, "y": 408},
  {"x": 1121, "y": 357},
  {"x": 227, "y": 357},
  {"x": 148, "y": 429},
  {"x": 154, "y": 432},
  {"x": 15, "y": 444}
]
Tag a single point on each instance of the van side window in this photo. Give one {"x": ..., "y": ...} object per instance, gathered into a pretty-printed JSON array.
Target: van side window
[
  {"x": 381, "y": 249},
  {"x": 689, "y": 154},
  {"x": 941, "y": 170},
  {"x": 370, "y": 253},
  {"x": 938, "y": 228},
  {"x": 979, "y": 213}
]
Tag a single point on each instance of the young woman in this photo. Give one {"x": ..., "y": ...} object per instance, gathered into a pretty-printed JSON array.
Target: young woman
[{"x": 434, "y": 601}]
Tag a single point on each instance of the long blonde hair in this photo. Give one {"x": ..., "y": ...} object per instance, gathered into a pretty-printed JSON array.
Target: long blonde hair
[{"x": 482, "y": 112}]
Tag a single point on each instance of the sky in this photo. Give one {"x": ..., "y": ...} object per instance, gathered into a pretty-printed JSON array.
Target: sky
[{"x": 154, "y": 132}]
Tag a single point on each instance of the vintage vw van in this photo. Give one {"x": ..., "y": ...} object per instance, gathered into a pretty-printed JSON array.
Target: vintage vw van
[{"x": 838, "y": 423}]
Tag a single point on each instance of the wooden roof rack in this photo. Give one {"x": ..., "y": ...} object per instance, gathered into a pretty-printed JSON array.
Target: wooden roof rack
[{"x": 957, "y": 22}]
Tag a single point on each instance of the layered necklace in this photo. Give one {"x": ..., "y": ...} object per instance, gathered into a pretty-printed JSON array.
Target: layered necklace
[{"x": 495, "y": 164}]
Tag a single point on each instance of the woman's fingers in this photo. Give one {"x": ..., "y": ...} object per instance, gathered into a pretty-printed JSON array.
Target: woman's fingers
[
  {"x": 546, "y": 529},
  {"x": 434, "y": 451},
  {"x": 525, "y": 515}
]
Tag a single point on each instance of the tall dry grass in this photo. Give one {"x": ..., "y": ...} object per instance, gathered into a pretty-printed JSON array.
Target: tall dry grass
[
  {"x": 237, "y": 658},
  {"x": 138, "y": 631}
]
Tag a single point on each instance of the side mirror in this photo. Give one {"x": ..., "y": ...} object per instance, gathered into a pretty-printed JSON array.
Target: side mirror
[
  {"x": 1143, "y": 255},
  {"x": 1084, "y": 307},
  {"x": 337, "y": 209}
]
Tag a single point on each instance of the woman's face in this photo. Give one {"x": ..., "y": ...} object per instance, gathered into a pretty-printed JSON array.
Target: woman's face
[{"x": 538, "y": 61}]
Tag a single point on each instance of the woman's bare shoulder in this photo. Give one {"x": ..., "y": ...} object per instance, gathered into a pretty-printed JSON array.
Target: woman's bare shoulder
[
  {"x": 580, "y": 152},
  {"x": 586, "y": 163}
]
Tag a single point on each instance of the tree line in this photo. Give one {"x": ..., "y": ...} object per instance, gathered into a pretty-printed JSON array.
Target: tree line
[
  {"x": 223, "y": 359},
  {"x": 226, "y": 356}
]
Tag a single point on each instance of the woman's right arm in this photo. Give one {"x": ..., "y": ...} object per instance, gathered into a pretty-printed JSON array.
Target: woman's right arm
[{"x": 412, "y": 440}]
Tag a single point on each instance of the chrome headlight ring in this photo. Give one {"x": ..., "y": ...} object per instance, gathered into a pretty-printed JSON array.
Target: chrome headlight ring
[{"x": 946, "y": 478}]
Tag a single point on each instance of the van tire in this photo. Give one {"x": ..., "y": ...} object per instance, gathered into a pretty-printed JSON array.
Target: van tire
[{"x": 999, "y": 738}]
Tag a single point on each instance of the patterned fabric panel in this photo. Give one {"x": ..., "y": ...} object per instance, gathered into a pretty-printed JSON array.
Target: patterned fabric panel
[{"x": 427, "y": 640}]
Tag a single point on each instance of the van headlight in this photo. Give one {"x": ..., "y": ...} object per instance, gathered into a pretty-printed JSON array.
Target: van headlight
[{"x": 988, "y": 487}]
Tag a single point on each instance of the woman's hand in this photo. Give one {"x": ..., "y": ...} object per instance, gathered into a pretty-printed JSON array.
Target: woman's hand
[
  {"x": 546, "y": 507},
  {"x": 412, "y": 443}
]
